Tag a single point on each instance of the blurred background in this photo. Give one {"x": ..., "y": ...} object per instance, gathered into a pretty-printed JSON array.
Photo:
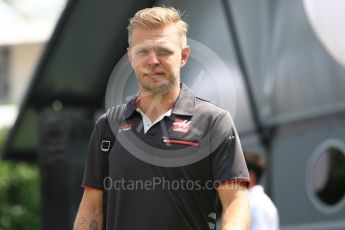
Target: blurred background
[{"x": 282, "y": 64}]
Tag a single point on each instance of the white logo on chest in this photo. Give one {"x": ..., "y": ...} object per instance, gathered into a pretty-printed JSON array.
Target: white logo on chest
[{"x": 181, "y": 126}]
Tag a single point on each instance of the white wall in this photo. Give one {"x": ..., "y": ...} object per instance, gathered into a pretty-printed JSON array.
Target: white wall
[{"x": 23, "y": 61}]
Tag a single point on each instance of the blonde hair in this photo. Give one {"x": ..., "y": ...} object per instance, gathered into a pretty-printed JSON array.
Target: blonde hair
[{"x": 155, "y": 17}]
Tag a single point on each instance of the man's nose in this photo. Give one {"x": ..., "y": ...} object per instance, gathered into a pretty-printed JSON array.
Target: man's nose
[{"x": 153, "y": 59}]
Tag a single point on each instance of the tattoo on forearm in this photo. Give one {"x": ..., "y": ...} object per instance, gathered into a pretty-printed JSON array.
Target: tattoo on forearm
[{"x": 93, "y": 225}]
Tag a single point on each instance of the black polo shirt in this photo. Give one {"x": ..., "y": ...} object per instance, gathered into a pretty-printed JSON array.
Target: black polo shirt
[{"x": 167, "y": 178}]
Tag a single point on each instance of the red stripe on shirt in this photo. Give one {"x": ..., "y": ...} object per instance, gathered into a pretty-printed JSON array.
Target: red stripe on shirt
[
  {"x": 170, "y": 141},
  {"x": 233, "y": 181},
  {"x": 89, "y": 187}
]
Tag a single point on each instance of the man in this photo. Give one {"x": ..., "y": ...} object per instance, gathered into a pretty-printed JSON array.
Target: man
[
  {"x": 168, "y": 118},
  {"x": 264, "y": 214}
]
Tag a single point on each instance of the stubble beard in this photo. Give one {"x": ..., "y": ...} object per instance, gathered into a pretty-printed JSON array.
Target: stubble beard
[{"x": 163, "y": 87}]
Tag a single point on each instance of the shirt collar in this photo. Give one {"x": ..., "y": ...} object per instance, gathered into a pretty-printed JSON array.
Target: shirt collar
[{"x": 184, "y": 104}]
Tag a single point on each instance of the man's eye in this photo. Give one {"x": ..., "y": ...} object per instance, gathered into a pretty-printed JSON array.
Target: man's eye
[
  {"x": 164, "y": 52},
  {"x": 142, "y": 52}
]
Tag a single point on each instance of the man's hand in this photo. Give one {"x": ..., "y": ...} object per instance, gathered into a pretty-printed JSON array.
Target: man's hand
[
  {"x": 90, "y": 213},
  {"x": 236, "y": 212}
]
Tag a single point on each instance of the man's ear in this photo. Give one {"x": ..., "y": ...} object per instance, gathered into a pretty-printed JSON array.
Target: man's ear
[
  {"x": 129, "y": 54},
  {"x": 184, "y": 55}
]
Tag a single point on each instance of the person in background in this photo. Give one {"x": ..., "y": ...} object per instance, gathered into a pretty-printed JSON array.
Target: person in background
[{"x": 264, "y": 214}]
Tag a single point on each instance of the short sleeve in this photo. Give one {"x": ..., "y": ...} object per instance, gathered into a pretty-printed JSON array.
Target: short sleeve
[
  {"x": 93, "y": 173},
  {"x": 228, "y": 163}
]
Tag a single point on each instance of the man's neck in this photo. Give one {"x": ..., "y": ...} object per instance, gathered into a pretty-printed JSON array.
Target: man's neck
[{"x": 153, "y": 105}]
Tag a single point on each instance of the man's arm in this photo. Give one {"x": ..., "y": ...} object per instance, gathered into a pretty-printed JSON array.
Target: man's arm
[
  {"x": 236, "y": 212},
  {"x": 90, "y": 213}
]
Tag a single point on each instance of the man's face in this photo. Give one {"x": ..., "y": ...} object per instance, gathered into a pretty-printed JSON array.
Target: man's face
[{"x": 156, "y": 57}]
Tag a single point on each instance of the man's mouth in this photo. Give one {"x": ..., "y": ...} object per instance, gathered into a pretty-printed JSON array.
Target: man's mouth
[{"x": 155, "y": 75}]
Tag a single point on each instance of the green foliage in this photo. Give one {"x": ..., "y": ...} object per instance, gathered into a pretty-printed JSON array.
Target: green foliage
[
  {"x": 3, "y": 135},
  {"x": 19, "y": 196}
]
